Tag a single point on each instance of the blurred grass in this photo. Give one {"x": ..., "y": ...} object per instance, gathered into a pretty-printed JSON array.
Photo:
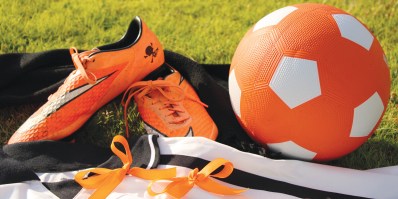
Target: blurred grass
[{"x": 206, "y": 31}]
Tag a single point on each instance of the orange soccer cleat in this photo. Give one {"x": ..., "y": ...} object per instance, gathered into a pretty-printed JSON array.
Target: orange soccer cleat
[
  {"x": 170, "y": 107},
  {"x": 101, "y": 74}
]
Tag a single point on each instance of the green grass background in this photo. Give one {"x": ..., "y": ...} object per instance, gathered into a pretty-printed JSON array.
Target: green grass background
[{"x": 206, "y": 31}]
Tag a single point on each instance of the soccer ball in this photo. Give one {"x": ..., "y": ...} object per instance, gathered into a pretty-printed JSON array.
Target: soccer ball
[{"x": 309, "y": 81}]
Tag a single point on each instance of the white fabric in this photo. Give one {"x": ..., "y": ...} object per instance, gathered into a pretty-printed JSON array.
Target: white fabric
[
  {"x": 28, "y": 190},
  {"x": 153, "y": 153},
  {"x": 57, "y": 176},
  {"x": 391, "y": 170},
  {"x": 311, "y": 175},
  {"x": 375, "y": 183},
  {"x": 133, "y": 187}
]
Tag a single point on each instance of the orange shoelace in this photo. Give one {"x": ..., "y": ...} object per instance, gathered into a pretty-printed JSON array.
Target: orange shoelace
[
  {"x": 170, "y": 104},
  {"x": 80, "y": 60},
  {"x": 106, "y": 180},
  {"x": 180, "y": 186}
]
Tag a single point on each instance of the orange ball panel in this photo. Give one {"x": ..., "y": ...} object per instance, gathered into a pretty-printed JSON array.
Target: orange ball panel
[{"x": 348, "y": 75}]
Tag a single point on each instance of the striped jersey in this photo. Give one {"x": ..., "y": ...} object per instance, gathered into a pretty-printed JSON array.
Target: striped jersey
[{"x": 46, "y": 169}]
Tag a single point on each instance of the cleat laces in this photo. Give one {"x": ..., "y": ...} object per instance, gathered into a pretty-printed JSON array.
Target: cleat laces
[
  {"x": 167, "y": 95},
  {"x": 80, "y": 61}
]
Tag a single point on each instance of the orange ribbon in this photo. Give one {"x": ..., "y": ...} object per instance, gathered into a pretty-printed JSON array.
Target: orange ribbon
[
  {"x": 106, "y": 180},
  {"x": 182, "y": 185}
]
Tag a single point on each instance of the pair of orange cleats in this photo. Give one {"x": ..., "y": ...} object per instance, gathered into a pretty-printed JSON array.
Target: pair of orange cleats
[{"x": 168, "y": 105}]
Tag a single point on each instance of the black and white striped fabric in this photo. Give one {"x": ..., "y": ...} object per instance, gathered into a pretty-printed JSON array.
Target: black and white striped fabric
[{"x": 45, "y": 169}]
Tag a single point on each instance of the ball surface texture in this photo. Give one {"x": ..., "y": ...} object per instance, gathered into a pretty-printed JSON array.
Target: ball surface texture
[{"x": 309, "y": 81}]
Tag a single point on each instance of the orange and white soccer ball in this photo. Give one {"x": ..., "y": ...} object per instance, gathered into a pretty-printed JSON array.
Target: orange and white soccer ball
[{"x": 309, "y": 81}]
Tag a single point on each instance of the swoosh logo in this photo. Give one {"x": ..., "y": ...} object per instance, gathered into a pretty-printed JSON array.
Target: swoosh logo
[
  {"x": 58, "y": 103},
  {"x": 150, "y": 130}
]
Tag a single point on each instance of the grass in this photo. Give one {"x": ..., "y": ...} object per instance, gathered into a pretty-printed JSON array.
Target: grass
[{"x": 206, "y": 31}]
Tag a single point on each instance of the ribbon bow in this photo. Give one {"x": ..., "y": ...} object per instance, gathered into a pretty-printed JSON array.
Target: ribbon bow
[
  {"x": 106, "y": 180},
  {"x": 182, "y": 185}
]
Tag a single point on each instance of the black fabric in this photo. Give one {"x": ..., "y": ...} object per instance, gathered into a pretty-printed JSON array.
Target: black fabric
[
  {"x": 32, "y": 77},
  {"x": 47, "y": 156},
  {"x": 252, "y": 181},
  {"x": 12, "y": 171},
  {"x": 64, "y": 189},
  {"x": 140, "y": 151},
  {"x": 219, "y": 72}
]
